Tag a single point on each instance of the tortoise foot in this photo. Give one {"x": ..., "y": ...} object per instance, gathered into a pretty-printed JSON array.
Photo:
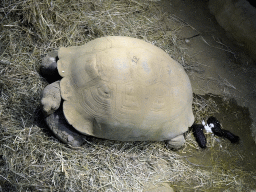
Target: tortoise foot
[
  {"x": 62, "y": 130},
  {"x": 177, "y": 142}
]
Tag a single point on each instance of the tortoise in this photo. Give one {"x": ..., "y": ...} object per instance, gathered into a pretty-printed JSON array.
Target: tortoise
[{"x": 117, "y": 88}]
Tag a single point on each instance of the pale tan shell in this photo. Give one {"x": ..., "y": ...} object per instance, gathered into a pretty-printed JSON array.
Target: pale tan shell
[{"x": 121, "y": 88}]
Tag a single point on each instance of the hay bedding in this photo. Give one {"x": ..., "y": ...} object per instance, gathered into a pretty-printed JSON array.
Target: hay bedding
[{"x": 31, "y": 159}]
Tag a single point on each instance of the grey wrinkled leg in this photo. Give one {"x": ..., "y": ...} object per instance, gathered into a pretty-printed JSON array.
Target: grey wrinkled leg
[
  {"x": 177, "y": 142},
  {"x": 64, "y": 131},
  {"x": 54, "y": 117},
  {"x": 51, "y": 98},
  {"x": 51, "y": 104}
]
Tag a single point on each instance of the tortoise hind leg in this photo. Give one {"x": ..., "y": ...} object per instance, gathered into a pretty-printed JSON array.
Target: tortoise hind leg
[{"x": 177, "y": 142}]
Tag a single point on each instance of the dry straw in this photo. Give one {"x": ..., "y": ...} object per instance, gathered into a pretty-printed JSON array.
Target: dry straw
[{"x": 31, "y": 159}]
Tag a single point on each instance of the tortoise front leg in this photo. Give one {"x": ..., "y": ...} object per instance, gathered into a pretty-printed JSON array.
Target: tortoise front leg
[
  {"x": 54, "y": 117},
  {"x": 51, "y": 98}
]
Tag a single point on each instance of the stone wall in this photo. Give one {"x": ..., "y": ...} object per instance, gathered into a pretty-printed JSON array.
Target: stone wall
[{"x": 238, "y": 18}]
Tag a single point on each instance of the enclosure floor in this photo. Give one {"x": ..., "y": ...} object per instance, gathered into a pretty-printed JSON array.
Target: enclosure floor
[{"x": 227, "y": 69}]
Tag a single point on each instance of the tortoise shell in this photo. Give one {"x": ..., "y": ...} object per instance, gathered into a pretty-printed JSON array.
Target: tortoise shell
[{"x": 122, "y": 88}]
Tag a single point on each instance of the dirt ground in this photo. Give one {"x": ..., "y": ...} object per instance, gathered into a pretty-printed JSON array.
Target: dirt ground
[{"x": 225, "y": 69}]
